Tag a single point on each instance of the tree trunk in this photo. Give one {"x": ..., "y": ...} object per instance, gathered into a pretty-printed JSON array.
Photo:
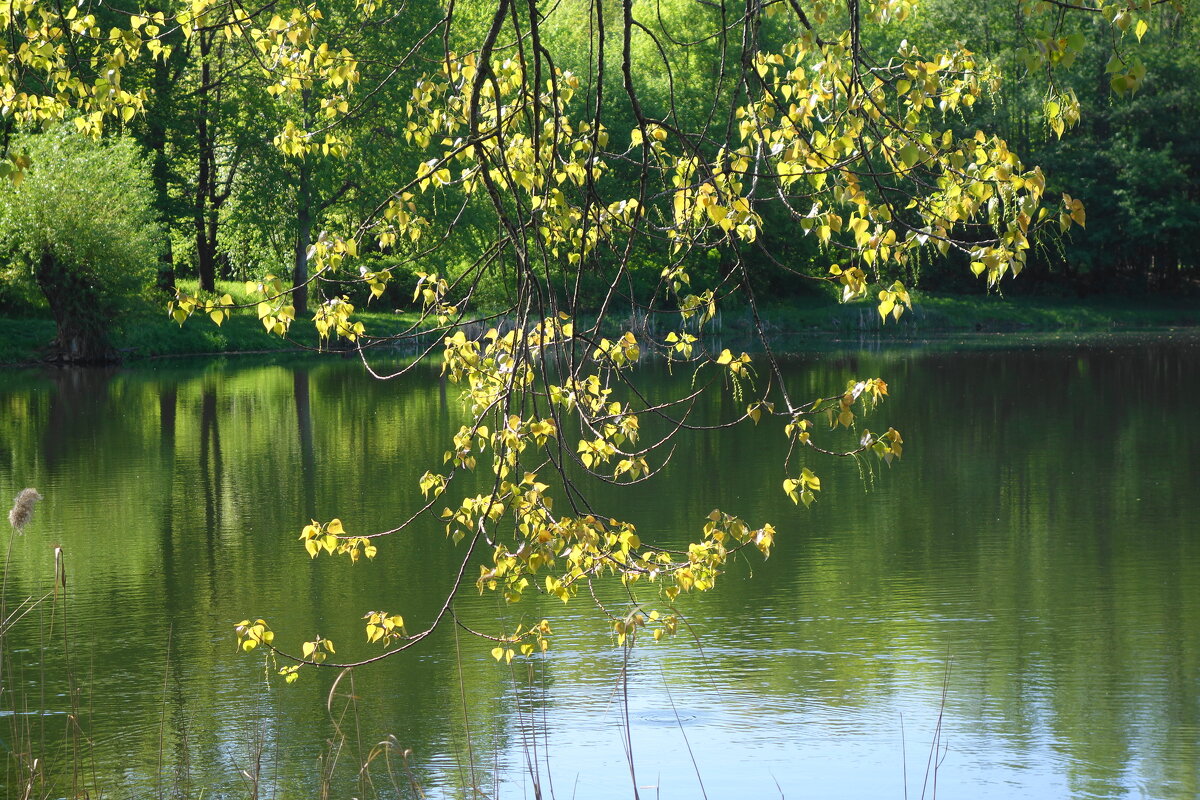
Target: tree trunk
[
  {"x": 205, "y": 177},
  {"x": 160, "y": 173},
  {"x": 82, "y": 332},
  {"x": 304, "y": 220},
  {"x": 213, "y": 216}
]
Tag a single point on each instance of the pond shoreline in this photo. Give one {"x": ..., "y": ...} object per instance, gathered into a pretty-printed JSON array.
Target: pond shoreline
[{"x": 23, "y": 342}]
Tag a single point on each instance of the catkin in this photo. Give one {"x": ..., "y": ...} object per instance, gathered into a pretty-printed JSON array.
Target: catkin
[{"x": 22, "y": 510}]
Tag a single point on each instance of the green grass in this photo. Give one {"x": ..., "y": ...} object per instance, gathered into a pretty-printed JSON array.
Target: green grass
[
  {"x": 933, "y": 314},
  {"x": 25, "y": 340},
  {"x": 20, "y": 339},
  {"x": 235, "y": 289},
  {"x": 242, "y": 333},
  {"x": 151, "y": 336}
]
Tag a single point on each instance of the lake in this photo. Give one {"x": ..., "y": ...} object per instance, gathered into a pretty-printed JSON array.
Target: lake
[{"x": 1011, "y": 611}]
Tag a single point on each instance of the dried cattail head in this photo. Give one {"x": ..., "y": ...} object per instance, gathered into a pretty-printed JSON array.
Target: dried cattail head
[{"x": 22, "y": 510}]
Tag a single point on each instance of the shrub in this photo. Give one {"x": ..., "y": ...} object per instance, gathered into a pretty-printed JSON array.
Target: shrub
[{"x": 80, "y": 228}]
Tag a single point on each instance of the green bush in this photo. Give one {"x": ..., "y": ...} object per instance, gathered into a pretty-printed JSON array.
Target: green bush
[{"x": 80, "y": 228}]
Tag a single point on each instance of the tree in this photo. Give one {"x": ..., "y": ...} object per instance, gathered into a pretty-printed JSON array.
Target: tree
[
  {"x": 1131, "y": 159},
  {"x": 557, "y": 178},
  {"x": 1135, "y": 164},
  {"x": 81, "y": 227}
]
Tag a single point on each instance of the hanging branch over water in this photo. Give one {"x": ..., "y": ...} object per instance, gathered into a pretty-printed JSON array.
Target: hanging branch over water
[
  {"x": 849, "y": 148},
  {"x": 570, "y": 180}
]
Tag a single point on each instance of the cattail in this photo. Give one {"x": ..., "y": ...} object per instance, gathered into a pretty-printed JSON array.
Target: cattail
[
  {"x": 60, "y": 568},
  {"x": 22, "y": 510}
]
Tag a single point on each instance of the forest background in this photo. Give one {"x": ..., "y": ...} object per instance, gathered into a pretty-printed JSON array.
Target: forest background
[{"x": 214, "y": 193}]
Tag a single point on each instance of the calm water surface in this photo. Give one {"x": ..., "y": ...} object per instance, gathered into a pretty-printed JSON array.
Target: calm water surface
[{"x": 1020, "y": 597}]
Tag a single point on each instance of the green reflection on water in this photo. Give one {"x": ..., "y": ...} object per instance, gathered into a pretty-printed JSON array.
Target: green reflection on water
[{"x": 1035, "y": 550}]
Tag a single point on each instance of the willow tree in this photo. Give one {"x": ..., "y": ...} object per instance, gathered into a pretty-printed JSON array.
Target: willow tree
[
  {"x": 567, "y": 173},
  {"x": 80, "y": 228}
]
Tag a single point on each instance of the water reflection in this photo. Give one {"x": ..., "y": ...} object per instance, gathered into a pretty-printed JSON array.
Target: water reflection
[{"x": 1032, "y": 554}]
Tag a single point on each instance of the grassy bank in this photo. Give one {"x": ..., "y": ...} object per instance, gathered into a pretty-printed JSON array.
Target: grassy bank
[
  {"x": 23, "y": 341},
  {"x": 934, "y": 314}
]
